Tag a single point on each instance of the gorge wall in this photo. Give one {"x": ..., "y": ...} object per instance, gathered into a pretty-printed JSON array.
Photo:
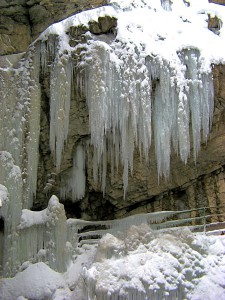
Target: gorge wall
[
  {"x": 194, "y": 184},
  {"x": 21, "y": 21}
]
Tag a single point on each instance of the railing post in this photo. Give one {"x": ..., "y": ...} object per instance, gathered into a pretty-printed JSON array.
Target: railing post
[{"x": 204, "y": 220}]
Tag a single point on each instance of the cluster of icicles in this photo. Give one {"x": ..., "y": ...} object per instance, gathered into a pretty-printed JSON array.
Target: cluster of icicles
[{"x": 130, "y": 96}]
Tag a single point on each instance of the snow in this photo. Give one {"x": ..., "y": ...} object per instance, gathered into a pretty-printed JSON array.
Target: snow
[
  {"x": 30, "y": 218},
  {"x": 139, "y": 263},
  {"x": 38, "y": 281},
  {"x": 3, "y": 195}
]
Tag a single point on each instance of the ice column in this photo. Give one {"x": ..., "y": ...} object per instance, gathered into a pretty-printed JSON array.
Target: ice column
[
  {"x": 11, "y": 109},
  {"x": 19, "y": 140},
  {"x": 31, "y": 97},
  {"x": 42, "y": 236},
  {"x": 200, "y": 95},
  {"x": 20, "y": 116},
  {"x": 11, "y": 192}
]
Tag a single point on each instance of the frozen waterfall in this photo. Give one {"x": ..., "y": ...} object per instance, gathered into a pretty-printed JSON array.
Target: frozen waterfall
[{"x": 136, "y": 90}]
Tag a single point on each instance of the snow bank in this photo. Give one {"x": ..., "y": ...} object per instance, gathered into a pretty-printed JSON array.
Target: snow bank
[
  {"x": 38, "y": 281},
  {"x": 144, "y": 264},
  {"x": 135, "y": 264}
]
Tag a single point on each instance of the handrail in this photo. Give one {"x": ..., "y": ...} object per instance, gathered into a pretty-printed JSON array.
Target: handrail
[{"x": 156, "y": 220}]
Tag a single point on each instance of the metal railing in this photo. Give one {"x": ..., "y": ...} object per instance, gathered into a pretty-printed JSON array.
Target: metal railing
[
  {"x": 200, "y": 219},
  {"x": 204, "y": 219}
]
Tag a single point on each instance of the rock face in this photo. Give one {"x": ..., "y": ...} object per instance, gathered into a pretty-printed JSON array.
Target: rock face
[
  {"x": 15, "y": 29},
  {"x": 189, "y": 186},
  {"x": 222, "y": 2},
  {"x": 21, "y": 21}
]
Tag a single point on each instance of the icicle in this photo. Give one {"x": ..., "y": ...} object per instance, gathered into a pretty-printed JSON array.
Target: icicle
[
  {"x": 78, "y": 178},
  {"x": 200, "y": 96},
  {"x": 60, "y": 96},
  {"x": 74, "y": 180},
  {"x": 104, "y": 167},
  {"x": 119, "y": 104},
  {"x": 166, "y": 4},
  {"x": 120, "y": 85},
  {"x": 207, "y": 103},
  {"x": 48, "y": 49},
  {"x": 163, "y": 116}
]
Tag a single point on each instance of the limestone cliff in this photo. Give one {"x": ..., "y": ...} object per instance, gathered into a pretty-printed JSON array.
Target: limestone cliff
[{"x": 21, "y": 21}]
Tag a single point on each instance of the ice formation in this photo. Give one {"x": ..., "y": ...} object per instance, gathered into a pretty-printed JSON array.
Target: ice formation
[
  {"x": 43, "y": 236},
  {"x": 125, "y": 105},
  {"x": 20, "y": 116},
  {"x": 139, "y": 83},
  {"x": 19, "y": 141}
]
